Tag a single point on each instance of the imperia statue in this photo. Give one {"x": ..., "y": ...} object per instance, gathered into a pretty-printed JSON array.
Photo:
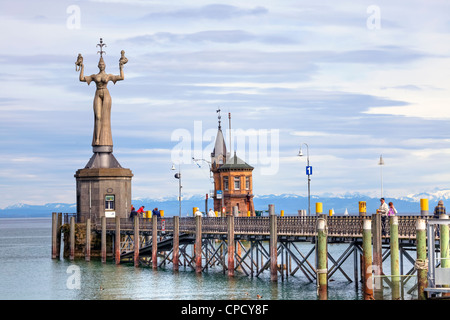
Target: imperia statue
[{"x": 102, "y": 100}]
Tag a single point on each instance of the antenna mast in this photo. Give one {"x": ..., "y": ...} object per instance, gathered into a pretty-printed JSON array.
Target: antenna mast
[{"x": 229, "y": 124}]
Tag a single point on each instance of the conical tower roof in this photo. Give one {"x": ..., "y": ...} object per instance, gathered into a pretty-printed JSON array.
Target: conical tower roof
[{"x": 219, "y": 147}]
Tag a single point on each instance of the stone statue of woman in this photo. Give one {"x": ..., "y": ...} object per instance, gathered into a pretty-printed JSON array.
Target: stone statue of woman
[{"x": 102, "y": 100}]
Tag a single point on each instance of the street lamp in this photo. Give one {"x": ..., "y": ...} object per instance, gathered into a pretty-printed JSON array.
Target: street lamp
[
  {"x": 308, "y": 172},
  {"x": 381, "y": 163},
  {"x": 178, "y": 176}
]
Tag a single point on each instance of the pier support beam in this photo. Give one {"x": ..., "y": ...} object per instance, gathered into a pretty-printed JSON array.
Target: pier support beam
[
  {"x": 377, "y": 253},
  {"x": 395, "y": 260},
  {"x": 87, "y": 255},
  {"x": 72, "y": 238},
  {"x": 273, "y": 244},
  {"x": 421, "y": 261},
  {"x": 176, "y": 243},
  {"x": 58, "y": 236},
  {"x": 367, "y": 259},
  {"x": 103, "y": 239},
  {"x": 117, "y": 241},
  {"x": 54, "y": 234},
  {"x": 322, "y": 266},
  {"x": 154, "y": 242},
  {"x": 230, "y": 239},
  {"x": 136, "y": 241},
  {"x": 198, "y": 244},
  {"x": 444, "y": 237}
]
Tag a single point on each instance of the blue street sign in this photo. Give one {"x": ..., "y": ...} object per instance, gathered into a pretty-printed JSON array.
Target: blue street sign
[{"x": 309, "y": 170}]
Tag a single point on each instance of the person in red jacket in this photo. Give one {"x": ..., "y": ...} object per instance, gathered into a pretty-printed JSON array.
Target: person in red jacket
[{"x": 141, "y": 212}]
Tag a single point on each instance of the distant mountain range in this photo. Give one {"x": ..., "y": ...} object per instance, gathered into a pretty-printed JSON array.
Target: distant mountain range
[{"x": 290, "y": 203}]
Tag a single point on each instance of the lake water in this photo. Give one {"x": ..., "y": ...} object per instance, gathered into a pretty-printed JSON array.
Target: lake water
[{"x": 27, "y": 272}]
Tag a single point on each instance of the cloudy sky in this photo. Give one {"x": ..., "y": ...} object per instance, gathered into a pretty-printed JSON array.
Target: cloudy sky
[{"x": 351, "y": 79}]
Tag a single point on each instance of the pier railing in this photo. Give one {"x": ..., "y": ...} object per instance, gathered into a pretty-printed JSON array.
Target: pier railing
[{"x": 337, "y": 226}]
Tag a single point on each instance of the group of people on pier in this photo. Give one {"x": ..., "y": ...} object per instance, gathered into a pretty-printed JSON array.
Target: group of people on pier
[
  {"x": 389, "y": 210},
  {"x": 140, "y": 212}
]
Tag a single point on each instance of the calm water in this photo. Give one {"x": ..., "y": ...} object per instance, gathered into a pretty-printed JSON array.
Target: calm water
[{"x": 28, "y": 272}]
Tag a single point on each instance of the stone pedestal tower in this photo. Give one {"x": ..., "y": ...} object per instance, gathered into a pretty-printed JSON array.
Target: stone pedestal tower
[{"x": 103, "y": 187}]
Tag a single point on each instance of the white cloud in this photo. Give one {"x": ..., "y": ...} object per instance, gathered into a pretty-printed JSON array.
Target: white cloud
[{"x": 315, "y": 72}]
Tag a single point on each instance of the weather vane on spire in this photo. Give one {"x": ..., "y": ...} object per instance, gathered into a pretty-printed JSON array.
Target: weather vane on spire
[
  {"x": 101, "y": 45},
  {"x": 219, "y": 117}
]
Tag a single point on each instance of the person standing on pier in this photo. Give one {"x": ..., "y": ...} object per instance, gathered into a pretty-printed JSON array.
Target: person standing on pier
[
  {"x": 156, "y": 213},
  {"x": 392, "y": 210},
  {"x": 383, "y": 210},
  {"x": 439, "y": 209}
]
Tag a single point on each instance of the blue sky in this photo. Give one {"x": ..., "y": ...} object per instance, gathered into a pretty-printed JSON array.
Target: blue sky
[{"x": 351, "y": 79}]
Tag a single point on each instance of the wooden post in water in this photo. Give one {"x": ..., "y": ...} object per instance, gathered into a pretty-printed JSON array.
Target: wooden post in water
[
  {"x": 117, "y": 241},
  {"x": 87, "y": 255},
  {"x": 230, "y": 239},
  {"x": 54, "y": 234},
  {"x": 377, "y": 254},
  {"x": 176, "y": 242},
  {"x": 395, "y": 261},
  {"x": 58, "y": 235},
  {"x": 367, "y": 259},
  {"x": 198, "y": 244},
  {"x": 273, "y": 243},
  {"x": 136, "y": 241},
  {"x": 154, "y": 242},
  {"x": 322, "y": 271},
  {"x": 421, "y": 260},
  {"x": 444, "y": 237},
  {"x": 72, "y": 238},
  {"x": 103, "y": 219}
]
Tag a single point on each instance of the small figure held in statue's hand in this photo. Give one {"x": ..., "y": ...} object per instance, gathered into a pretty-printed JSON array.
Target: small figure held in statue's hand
[
  {"x": 79, "y": 62},
  {"x": 123, "y": 60}
]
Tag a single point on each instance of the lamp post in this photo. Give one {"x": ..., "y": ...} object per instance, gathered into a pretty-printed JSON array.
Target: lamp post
[
  {"x": 381, "y": 163},
  {"x": 308, "y": 172},
  {"x": 178, "y": 176}
]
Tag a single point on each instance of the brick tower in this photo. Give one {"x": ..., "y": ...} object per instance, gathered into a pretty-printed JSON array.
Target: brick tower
[{"x": 233, "y": 182}]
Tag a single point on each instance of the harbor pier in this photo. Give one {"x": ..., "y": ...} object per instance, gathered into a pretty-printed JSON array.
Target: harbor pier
[{"x": 282, "y": 246}]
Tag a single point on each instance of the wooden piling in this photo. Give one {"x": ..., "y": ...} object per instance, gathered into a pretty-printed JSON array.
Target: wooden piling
[
  {"x": 87, "y": 255},
  {"x": 117, "y": 241},
  {"x": 72, "y": 238},
  {"x": 54, "y": 234},
  {"x": 58, "y": 236},
  {"x": 176, "y": 242},
  {"x": 395, "y": 261},
  {"x": 421, "y": 261},
  {"x": 377, "y": 253},
  {"x": 367, "y": 259},
  {"x": 136, "y": 241},
  {"x": 444, "y": 237},
  {"x": 103, "y": 219},
  {"x": 322, "y": 271},
  {"x": 198, "y": 244},
  {"x": 155, "y": 242},
  {"x": 230, "y": 239},
  {"x": 273, "y": 246}
]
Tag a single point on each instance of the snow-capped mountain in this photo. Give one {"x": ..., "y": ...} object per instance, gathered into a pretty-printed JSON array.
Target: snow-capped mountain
[{"x": 290, "y": 203}]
